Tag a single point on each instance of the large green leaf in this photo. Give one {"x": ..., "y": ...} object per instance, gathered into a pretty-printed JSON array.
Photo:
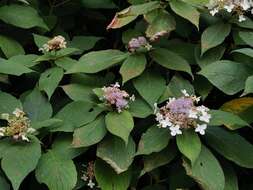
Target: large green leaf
[
  {"x": 10, "y": 47},
  {"x": 186, "y": 11},
  {"x": 150, "y": 86},
  {"x": 21, "y": 16},
  {"x": 206, "y": 171},
  {"x": 116, "y": 153},
  {"x": 231, "y": 145},
  {"x": 84, "y": 43},
  {"x": 133, "y": 66},
  {"x": 8, "y": 103},
  {"x": 228, "y": 76},
  {"x": 140, "y": 108},
  {"x": 37, "y": 106},
  {"x": 214, "y": 35},
  {"x": 56, "y": 172},
  {"x": 120, "y": 124},
  {"x": 50, "y": 79},
  {"x": 248, "y": 85},
  {"x": 90, "y": 134},
  {"x": 153, "y": 140},
  {"x": 108, "y": 179},
  {"x": 189, "y": 145},
  {"x": 247, "y": 37},
  {"x": 170, "y": 60},
  {"x": 231, "y": 181},
  {"x": 96, "y": 61},
  {"x": 26, "y": 60},
  {"x": 77, "y": 114},
  {"x": 19, "y": 159}
]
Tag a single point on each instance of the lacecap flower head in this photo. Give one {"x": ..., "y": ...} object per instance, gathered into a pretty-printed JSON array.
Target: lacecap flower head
[
  {"x": 56, "y": 43},
  {"x": 88, "y": 175},
  {"x": 116, "y": 98},
  {"x": 18, "y": 126},
  {"x": 182, "y": 114}
]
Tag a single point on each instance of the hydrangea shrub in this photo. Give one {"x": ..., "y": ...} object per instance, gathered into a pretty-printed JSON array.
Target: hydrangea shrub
[{"x": 126, "y": 94}]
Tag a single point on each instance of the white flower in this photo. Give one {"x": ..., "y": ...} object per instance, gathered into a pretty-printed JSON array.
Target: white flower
[
  {"x": 241, "y": 18},
  {"x": 165, "y": 123},
  {"x": 175, "y": 130},
  {"x": 205, "y": 117},
  {"x": 2, "y": 131},
  {"x": 84, "y": 177},
  {"x": 91, "y": 184},
  {"x": 229, "y": 7},
  {"x": 193, "y": 114},
  {"x": 18, "y": 112},
  {"x": 31, "y": 130},
  {"x": 245, "y": 5},
  {"x": 185, "y": 93},
  {"x": 214, "y": 11},
  {"x": 201, "y": 129},
  {"x": 24, "y": 138}
]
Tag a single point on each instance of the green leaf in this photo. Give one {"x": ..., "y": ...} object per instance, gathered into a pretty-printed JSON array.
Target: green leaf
[
  {"x": 228, "y": 76},
  {"x": 245, "y": 51},
  {"x": 47, "y": 123},
  {"x": 65, "y": 62},
  {"x": 228, "y": 119},
  {"x": 109, "y": 180},
  {"x": 96, "y": 61},
  {"x": 4, "y": 185},
  {"x": 73, "y": 115},
  {"x": 189, "y": 145},
  {"x": 206, "y": 171},
  {"x": 63, "y": 175},
  {"x": 231, "y": 145},
  {"x": 248, "y": 86},
  {"x": 98, "y": 4},
  {"x": 116, "y": 153},
  {"x": 27, "y": 16},
  {"x": 10, "y": 47},
  {"x": 37, "y": 106},
  {"x": 150, "y": 86},
  {"x": 153, "y": 140},
  {"x": 214, "y": 35},
  {"x": 140, "y": 108},
  {"x": 19, "y": 159},
  {"x": 247, "y": 37},
  {"x": 84, "y": 43},
  {"x": 8, "y": 103},
  {"x": 90, "y": 134},
  {"x": 62, "y": 146},
  {"x": 231, "y": 182},
  {"x": 186, "y": 11},
  {"x": 26, "y": 60},
  {"x": 120, "y": 124},
  {"x": 133, "y": 66},
  {"x": 170, "y": 60},
  {"x": 50, "y": 79},
  {"x": 40, "y": 40}
]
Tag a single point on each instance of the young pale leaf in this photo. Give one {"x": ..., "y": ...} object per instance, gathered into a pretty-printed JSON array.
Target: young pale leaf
[
  {"x": 109, "y": 180},
  {"x": 27, "y": 16},
  {"x": 120, "y": 124},
  {"x": 37, "y": 107},
  {"x": 63, "y": 175},
  {"x": 228, "y": 76},
  {"x": 214, "y": 35},
  {"x": 116, "y": 153},
  {"x": 189, "y": 145},
  {"x": 133, "y": 66},
  {"x": 8, "y": 103},
  {"x": 206, "y": 171},
  {"x": 50, "y": 79},
  {"x": 10, "y": 47},
  {"x": 153, "y": 140},
  {"x": 19, "y": 159},
  {"x": 231, "y": 145},
  {"x": 186, "y": 11},
  {"x": 247, "y": 37},
  {"x": 96, "y": 61},
  {"x": 170, "y": 60},
  {"x": 90, "y": 134},
  {"x": 228, "y": 119},
  {"x": 150, "y": 86}
]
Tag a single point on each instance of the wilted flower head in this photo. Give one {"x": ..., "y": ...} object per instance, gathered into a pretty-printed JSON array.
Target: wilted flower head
[
  {"x": 139, "y": 42},
  {"x": 116, "y": 98},
  {"x": 88, "y": 174},
  {"x": 240, "y": 7},
  {"x": 56, "y": 43},
  {"x": 18, "y": 126},
  {"x": 182, "y": 113}
]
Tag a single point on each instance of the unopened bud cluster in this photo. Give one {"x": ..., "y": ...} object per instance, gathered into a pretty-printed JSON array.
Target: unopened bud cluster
[
  {"x": 88, "y": 175},
  {"x": 18, "y": 126},
  {"x": 116, "y": 98},
  {"x": 136, "y": 43},
  {"x": 182, "y": 113},
  {"x": 56, "y": 43},
  {"x": 240, "y": 7}
]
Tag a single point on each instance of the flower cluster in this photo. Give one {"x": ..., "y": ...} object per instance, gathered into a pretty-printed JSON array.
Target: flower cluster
[
  {"x": 240, "y": 7},
  {"x": 116, "y": 98},
  {"x": 18, "y": 126},
  {"x": 136, "y": 43},
  {"x": 182, "y": 113},
  {"x": 57, "y": 43},
  {"x": 88, "y": 175}
]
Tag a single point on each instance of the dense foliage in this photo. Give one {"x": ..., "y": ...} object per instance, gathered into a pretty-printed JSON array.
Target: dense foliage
[{"x": 117, "y": 94}]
